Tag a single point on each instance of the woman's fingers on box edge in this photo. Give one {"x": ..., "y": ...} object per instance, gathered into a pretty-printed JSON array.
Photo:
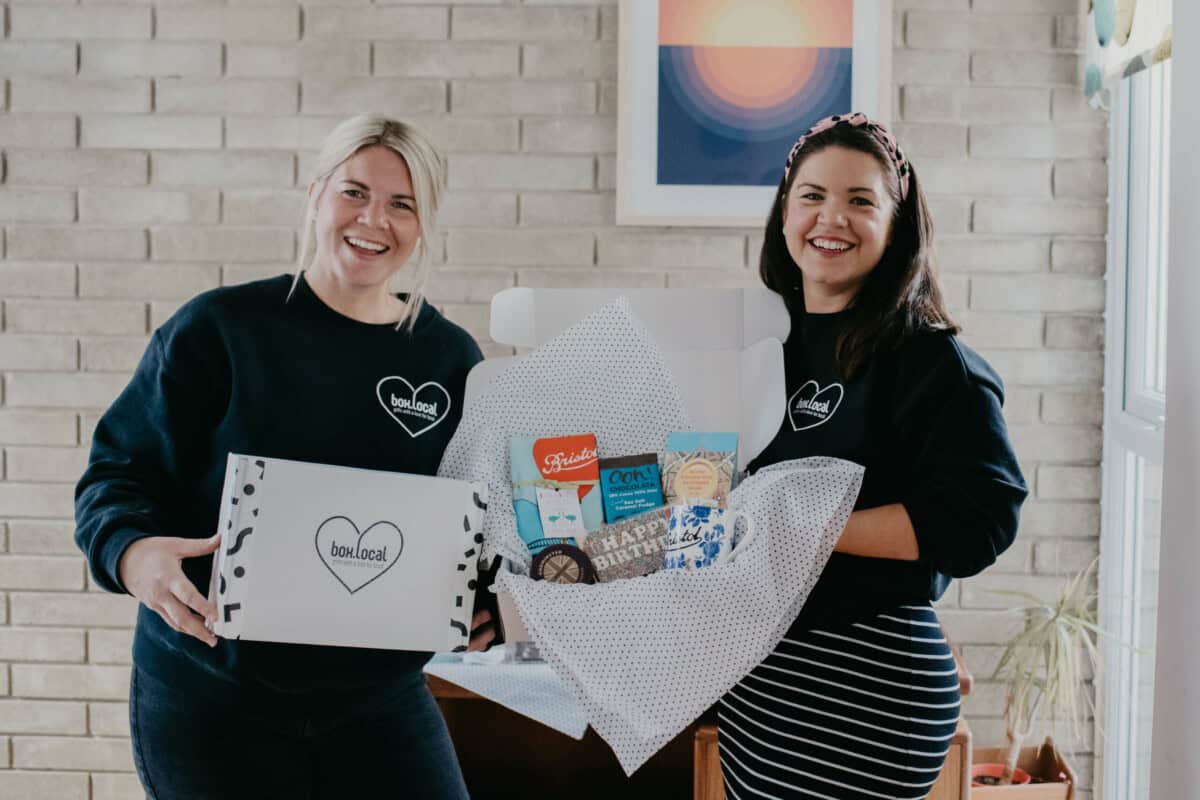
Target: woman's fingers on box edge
[
  {"x": 186, "y": 621},
  {"x": 187, "y": 594}
]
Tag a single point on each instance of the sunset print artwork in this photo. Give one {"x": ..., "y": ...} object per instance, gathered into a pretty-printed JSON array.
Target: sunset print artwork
[
  {"x": 713, "y": 93},
  {"x": 737, "y": 80}
]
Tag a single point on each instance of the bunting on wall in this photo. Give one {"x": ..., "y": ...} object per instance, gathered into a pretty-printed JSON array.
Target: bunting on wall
[{"x": 1124, "y": 37}]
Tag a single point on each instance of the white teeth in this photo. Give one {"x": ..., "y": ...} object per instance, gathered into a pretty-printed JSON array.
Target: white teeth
[
  {"x": 364, "y": 244},
  {"x": 830, "y": 244}
]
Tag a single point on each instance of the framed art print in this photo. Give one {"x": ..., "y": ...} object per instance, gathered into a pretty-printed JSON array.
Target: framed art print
[{"x": 713, "y": 93}]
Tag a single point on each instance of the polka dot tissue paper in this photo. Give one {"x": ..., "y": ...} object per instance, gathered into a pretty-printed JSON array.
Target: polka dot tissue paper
[{"x": 645, "y": 656}]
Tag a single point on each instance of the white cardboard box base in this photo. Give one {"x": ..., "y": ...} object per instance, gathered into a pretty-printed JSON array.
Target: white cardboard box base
[{"x": 327, "y": 555}]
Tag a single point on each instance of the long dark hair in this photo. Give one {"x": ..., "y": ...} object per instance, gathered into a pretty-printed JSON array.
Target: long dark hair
[{"x": 901, "y": 295}]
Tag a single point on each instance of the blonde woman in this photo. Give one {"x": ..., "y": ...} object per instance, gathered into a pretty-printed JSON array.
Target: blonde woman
[{"x": 290, "y": 367}]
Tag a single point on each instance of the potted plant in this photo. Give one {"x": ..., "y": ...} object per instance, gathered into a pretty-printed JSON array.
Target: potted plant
[{"x": 1043, "y": 668}]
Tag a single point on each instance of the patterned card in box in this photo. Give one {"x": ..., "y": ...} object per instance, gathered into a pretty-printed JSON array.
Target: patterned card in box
[
  {"x": 560, "y": 462},
  {"x": 697, "y": 468},
  {"x": 560, "y": 513}
]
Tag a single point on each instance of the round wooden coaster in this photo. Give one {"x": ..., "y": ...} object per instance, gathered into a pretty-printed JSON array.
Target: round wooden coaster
[{"x": 562, "y": 563}]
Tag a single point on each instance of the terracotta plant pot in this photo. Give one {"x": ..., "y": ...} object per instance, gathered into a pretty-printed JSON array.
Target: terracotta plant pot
[
  {"x": 1049, "y": 776},
  {"x": 995, "y": 771}
]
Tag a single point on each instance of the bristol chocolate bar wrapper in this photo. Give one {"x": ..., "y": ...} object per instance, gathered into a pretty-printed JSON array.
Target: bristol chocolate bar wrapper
[{"x": 565, "y": 463}]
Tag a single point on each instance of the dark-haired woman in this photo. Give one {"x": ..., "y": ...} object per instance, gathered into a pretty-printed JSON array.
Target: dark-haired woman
[{"x": 860, "y": 699}]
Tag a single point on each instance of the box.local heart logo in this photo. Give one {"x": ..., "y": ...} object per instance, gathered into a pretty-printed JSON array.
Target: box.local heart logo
[
  {"x": 811, "y": 405},
  {"x": 416, "y": 409},
  {"x": 357, "y": 558}
]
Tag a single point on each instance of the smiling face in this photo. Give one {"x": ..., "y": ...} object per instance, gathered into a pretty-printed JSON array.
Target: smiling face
[
  {"x": 366, "y": 220},
  {"x": 837, "y": 223}
]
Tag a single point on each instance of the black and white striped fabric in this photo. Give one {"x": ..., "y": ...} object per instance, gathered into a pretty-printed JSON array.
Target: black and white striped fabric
[{"x": 862, "y": 710}]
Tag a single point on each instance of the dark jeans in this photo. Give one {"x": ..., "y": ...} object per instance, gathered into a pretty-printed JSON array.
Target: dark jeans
[{"x": 228, "y": 743}]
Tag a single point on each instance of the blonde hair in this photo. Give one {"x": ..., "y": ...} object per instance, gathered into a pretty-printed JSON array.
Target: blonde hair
[{"x": 426, "y": 167}]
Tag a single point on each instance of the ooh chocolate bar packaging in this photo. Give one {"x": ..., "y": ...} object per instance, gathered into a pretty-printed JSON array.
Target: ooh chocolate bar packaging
[{"x": 630, "y": 485}]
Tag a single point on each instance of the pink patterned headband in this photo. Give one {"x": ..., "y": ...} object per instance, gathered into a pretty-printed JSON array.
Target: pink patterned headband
[{"x": 857, "y": 119}]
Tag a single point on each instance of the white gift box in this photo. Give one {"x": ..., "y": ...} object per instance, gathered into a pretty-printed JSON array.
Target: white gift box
[
  {"x": 328, "y": 555},
  {"x": 723, "y": 347},
  {"x": 644, "y": 657}
]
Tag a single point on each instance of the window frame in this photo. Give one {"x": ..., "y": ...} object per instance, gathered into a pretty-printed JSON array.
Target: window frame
[
  {"x": 1133, "y": 411},
  {"x": 1146, "y": 187}
]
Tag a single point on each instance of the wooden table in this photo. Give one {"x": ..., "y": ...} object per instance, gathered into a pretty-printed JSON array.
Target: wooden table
[{"x": 504, "y": 754}]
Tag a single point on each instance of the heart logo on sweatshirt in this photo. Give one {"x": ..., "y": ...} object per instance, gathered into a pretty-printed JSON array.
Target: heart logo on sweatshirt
[
  {"x": 355, "y": 558},
  {"x": 417, "y": 410},
  {"x": 811, "y": 405}
]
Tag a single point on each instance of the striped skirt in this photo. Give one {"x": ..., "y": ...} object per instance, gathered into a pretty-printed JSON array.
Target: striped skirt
[{"x": 865, "y": 709}]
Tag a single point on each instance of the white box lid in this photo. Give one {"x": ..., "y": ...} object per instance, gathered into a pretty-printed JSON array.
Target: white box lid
[{"x": 723, "y": 346}]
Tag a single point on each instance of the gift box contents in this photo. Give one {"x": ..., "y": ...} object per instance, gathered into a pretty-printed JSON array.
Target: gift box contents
[{"x": 587, "y": 519}]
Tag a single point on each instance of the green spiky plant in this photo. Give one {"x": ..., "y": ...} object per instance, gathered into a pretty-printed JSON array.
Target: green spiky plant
[{"x": 1044, "y": 665}]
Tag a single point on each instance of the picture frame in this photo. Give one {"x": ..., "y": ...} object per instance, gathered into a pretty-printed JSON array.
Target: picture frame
[{"x": 702, "y": 111}]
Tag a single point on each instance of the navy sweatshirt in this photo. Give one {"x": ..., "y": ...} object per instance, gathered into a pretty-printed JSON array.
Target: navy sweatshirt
[
  {"x": 925, "y": 422},
  {"x": 245, "y": 369}
]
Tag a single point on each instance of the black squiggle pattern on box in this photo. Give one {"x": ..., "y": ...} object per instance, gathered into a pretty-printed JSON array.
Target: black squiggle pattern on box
[
  {"x": 469, "y": 565},
  {"x": 231, "y": 563}
]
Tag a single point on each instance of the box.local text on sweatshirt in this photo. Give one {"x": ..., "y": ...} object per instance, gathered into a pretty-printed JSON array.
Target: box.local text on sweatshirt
[{"x": 319, "y": 554}]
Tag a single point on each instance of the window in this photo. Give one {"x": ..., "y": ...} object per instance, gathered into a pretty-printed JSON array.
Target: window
[
  {"x": 1148, "y": 139},
  {"x": 1133, "y": 420}
]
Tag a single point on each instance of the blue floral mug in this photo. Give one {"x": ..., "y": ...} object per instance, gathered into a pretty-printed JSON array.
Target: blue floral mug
[{"x": 703, "y": 536}]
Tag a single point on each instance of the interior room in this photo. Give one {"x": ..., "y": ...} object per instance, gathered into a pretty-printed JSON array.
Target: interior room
[{"x": 159, "y": 151}]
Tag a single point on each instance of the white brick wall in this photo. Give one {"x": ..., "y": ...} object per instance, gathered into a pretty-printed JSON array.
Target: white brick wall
[{"x": 152, "y": 150}]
